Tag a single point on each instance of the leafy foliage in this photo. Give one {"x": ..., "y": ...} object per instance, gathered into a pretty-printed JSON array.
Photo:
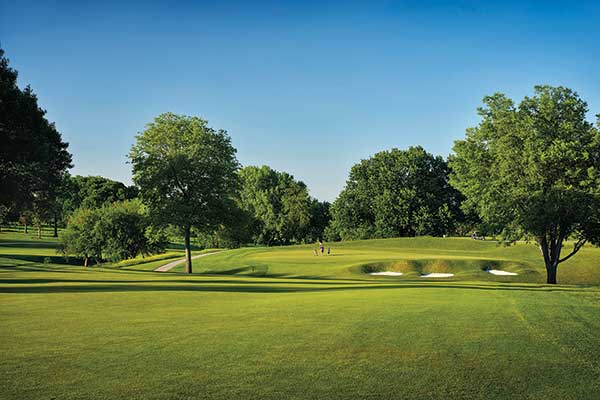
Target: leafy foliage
[
  {"x": 396, "y": 193},
  {"x": 89, "y": 192},
  {"x": 186, "y": 172},
  {"x": 320, "y": 216},
  {"x": 534, "y": 170},
  {"x": 114, "y": 232},
  {"x": 278, "y": 205},
  {"x": 81, "y": 238},
  {"x": 33, "y": 156}
]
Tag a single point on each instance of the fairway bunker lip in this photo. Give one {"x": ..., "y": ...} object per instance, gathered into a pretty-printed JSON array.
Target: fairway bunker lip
[
  {"x": 437, "y": 275},
  {"x": 500, "y": 272},
  {"x": 386, "y": 273}
]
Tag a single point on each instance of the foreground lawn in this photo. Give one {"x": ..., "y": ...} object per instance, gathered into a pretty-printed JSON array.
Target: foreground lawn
[{"x": 71, "y": 333}]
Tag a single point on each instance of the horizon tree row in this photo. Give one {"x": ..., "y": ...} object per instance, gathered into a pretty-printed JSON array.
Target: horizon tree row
[{"x": 528, "y": 171}]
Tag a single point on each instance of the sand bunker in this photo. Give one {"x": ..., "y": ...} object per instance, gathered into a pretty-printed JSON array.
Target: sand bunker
[
  {"x": 386, "y": 273},
  {"x": 436, "y": 275},
  {"x": 500, "y": 272}
]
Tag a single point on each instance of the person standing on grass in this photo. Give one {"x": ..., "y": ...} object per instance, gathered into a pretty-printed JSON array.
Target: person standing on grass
[
  {"x": 328, "y": 250},
  {"x": 322, "y": 248},
  {"x": 316, "y": 252}
]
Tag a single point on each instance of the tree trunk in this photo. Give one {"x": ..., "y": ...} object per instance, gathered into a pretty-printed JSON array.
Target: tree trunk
[
  {"x": 551, "y": 248},
  {"x": 55, "y": 226},
  {"x": 85, "y": 261},
  {"x": 188, "y": 251},
  {"x": 26, "y": 228},
  {"x": 551, "y": 273}
]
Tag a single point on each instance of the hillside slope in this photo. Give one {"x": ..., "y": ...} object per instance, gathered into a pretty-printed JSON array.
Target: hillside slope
[{"x": 465, "y": 258}]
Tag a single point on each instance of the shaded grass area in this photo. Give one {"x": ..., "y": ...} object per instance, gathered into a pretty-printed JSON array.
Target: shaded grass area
[
  {"x": 18, "y": 248},
  {"x": 67, "y": 332}
]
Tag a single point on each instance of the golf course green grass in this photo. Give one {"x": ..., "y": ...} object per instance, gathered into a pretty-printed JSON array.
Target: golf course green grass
[
  {"x": 467, "y": 259},
  {"x": 281, "y": 323}
]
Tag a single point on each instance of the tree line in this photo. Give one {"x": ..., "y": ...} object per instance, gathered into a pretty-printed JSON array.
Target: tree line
[{"x": 528, "y": 171}]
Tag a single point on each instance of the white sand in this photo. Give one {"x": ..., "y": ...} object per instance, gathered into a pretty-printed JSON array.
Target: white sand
[
  {"x": 437, "y": 275},
  {"x": 386, "y": 273},
  {"x": 499, "y": 272}
]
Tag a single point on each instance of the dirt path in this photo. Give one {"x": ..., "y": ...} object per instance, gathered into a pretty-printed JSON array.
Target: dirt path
[{"x": 173, "y": 264}]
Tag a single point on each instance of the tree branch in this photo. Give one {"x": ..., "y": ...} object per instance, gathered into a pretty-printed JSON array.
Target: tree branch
[
  {"x": 543, "y": 243},
  {"x": 576, "y": 248}
]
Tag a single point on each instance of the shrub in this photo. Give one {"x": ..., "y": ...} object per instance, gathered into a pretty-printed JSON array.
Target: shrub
[{"x": 114, "y": 232}]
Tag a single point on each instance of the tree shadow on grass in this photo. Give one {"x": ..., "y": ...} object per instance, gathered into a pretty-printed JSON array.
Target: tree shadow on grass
[
  {"x": 84, "y": 286},
  {"x": 253, "y": 270},
  {"x": 41, "y": 259},
  {"x": 28, "y": 244},
  {"x": 38, "y": 281}
]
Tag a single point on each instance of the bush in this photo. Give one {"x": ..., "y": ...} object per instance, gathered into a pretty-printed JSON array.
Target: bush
[
  {"x": 81, "y": 238},
  {"x": 114, "y": 232}
]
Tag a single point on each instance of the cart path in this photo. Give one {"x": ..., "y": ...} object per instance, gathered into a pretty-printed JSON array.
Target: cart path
[{"x": 173, "y": 264}]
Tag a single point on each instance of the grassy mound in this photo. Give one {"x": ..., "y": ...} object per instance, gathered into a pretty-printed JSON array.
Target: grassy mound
[{"x": 467, "y": 259}]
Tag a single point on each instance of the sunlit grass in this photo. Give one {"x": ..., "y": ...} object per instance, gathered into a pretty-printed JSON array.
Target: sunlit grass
[
  {"x": 104, "y": 333},
  {"x": 466, "y": 258}
]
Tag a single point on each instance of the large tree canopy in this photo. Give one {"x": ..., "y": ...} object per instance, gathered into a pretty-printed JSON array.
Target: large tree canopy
[
  {"x": 186, "y": 172},
  {"x": 33, "y": 156},
  {"x": 278, "y": 204},
  {"x": 535, "y": 170},
  {"x": 396, "y": 193}
]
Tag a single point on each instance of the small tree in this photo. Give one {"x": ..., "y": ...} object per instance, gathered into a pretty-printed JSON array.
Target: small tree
[
  {"x": 122, "y": 228},
  {"x": 81, "y": 238},
  {"x": 186, "y": 172},
  {"x": 535, "y": 170},
  {"x": 113, "y": 232}
]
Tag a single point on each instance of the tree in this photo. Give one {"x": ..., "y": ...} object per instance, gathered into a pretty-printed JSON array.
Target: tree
[
  {"x": 278, "y": 204},
  {"x": 114, "y": 232},
  {"x": 75, "y": 192},
  {"x": 81, "y": 238},
  {"x": 396, "y": 193},
  {"x": 96, "y": 191},
  {"x": 319, "y": 220},
  {"x": 33, "y": 156},
  {"x": 534, "y": 170},
  {"x": 186, "y": 172},
  {"x": 125, "y": 231}
]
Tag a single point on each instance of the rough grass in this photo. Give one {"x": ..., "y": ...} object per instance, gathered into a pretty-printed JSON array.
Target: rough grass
[{"x": 70, "y": 333}]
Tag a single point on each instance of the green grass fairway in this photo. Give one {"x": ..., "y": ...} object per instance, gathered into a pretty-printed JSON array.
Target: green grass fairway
[
  {"x": 114, "y": 333},
  {"x": 466, "y": 258}
]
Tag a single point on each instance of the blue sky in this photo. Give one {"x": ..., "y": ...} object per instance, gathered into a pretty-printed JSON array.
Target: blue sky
[{"x": 305, "y": 87}]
